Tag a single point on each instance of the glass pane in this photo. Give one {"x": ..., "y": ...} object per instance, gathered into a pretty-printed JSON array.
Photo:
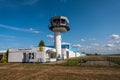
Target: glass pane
[
  {"x": 63, "y": 21},
  {"x": 32, "y": 56},
  {"x": 29, "y": 55}
]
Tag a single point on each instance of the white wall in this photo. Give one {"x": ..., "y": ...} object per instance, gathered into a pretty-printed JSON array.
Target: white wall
[
  {"x": 64, "y": 53},
  {"x": 39, "y": 56},
  {"x": 71, "y": 53},
  {"x": 57, "y": 43},
  {"x": 15, "y": 57},
  {"x": 78, "y": 54}
]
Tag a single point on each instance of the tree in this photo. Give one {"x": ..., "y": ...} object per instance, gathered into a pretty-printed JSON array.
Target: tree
[
  {"x": 5, "y": 57},
  {"x": 41, "y": 45}
]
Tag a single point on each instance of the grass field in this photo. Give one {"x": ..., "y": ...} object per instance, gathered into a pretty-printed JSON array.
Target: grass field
[
  {"x": 94, "y": 61},
  {"x": 32, "y": 71}
]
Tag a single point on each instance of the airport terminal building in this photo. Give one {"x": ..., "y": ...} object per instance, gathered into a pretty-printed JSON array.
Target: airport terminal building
[
  {"x": 48, "y": 54},
  {"x": 58, "y": 25}
]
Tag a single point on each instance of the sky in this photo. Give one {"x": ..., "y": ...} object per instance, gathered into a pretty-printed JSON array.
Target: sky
[{"x": 95, "y": 24}]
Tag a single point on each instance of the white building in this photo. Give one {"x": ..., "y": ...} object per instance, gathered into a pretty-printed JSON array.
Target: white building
[
  {"x": 35, "y": 55},
  {"x": 58, "y": 25}
]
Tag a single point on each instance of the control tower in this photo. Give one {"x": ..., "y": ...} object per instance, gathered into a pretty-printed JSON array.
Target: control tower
[{"x": 58, "y": 25}]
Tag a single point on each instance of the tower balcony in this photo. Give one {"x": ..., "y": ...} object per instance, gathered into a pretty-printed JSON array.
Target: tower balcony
[
  {"x": 59, "y": 23},
  {"x": 62, "y": 28}
]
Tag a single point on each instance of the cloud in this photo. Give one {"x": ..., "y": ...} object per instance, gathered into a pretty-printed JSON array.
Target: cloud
[
  {"x": 30, "y": 30},
  {"x": 95, "y": 44},
  {"x": 50, "y": 36},
  {"x": 88, "y": 39},
  {"x": 82, "y": 40},
  {"x": 92, "y": 39},
  {"x": 6, "y": 36},
  {"x": 15, "y": 3},
  {"x": 108, "y": 45},
  {"x": 111, "y": 47},
  {"x": 117, "y": 42},
  {"x": 77, "y": 45},
  {"x": 101, "y": 49},
  {"x": 115, "y": 36},
  {"x": 65, "y": 43}
]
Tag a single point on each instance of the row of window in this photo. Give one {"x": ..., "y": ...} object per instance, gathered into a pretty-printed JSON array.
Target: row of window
[
  {"x": 59, "y": 21},
  {"x": 31, "y": 55}
]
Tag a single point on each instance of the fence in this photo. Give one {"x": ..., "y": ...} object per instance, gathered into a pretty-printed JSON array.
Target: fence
[
  {"x": 95, "y": 61},
  {"x": 114, "y": 59}
]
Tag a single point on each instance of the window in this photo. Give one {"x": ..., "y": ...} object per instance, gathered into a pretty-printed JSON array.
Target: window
[
  {"x": 56, "y": 21},
  {"x": 31, "y": 55},
  {"x": 63, "y": 21}
]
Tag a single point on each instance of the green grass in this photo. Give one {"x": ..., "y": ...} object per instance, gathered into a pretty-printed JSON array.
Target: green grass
[
  {"x": 79, "y": 60},
  {"x": 76, "y": 61},
  {"x": 114, "y": 59}
]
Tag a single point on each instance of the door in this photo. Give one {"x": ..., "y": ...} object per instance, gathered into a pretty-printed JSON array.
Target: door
[
  {"x": 24, "y": 57},
  {"x": 67, "y": 54}
]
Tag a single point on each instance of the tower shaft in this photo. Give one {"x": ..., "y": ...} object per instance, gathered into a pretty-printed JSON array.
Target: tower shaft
[
  {"x": 58, "y": 25},
  {"x": 57, "y": 43}
]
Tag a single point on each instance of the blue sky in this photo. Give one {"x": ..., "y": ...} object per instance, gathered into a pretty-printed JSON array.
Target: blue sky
[{"x": 95, "y": 24}]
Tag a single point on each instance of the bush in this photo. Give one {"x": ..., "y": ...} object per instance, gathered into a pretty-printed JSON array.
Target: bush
[
  {"x": 5, "y": 57},
  {"x": 72, "y": 62}
]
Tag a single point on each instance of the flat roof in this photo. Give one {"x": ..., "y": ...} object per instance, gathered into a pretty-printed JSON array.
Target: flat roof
[{"x": 60, "y": 17}]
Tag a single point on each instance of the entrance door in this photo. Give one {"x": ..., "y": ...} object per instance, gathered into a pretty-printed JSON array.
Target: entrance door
[
  {"x": 24, "y": 57},
  {"x": 67, "y": 54},
  {"x": 1, "y": 57}
]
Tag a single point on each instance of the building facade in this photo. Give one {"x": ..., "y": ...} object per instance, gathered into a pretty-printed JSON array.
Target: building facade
[{"x": 48, "y": 54}]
